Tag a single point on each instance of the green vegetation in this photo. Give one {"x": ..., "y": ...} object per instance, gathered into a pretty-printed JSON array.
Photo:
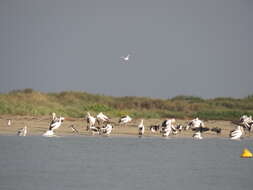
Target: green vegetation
[{"x": 76, "y": 104}]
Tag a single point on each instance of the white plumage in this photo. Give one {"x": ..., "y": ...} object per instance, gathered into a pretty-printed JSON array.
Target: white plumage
[
  {"x": 125, "y": 58},
  {"x": 22, "y": 132},
  {"x": 167, "y": 127},
  {"x": 141, "y": 128},
  {"x": 125, "y": 119},
  {"x": 237, "y": 133},
  {"x": 56, "y": 123},
  {"x": 9, "y": 123},
  {"x": 247, "y": 122},
  {"x": 197, "y": 135},
  {"x": 195, "y": 123},
  {"x": 102, "y": 117},
  {"x": 49, "y": 133},
  {"x": 90, "y": 120},
  {"x": 107, "y": 129},
  {"x": 94, "y": 130},
  {"x": 166, "y": 130}
]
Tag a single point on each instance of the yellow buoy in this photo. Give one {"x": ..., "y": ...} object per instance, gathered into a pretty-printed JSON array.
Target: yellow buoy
[{"x": 246, "y": 153}]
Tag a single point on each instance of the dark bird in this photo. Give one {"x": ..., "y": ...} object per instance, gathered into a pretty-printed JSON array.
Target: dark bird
[
  {"x": 216, "y": 130},
  {"x": 74, "y": 130}
]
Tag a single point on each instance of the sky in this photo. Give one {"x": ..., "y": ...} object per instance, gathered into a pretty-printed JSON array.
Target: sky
[{"x": 178, "y": 47}]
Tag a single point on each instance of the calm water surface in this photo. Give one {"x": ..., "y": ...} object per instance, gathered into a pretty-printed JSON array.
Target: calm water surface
[{"x": 73, "y": 163}]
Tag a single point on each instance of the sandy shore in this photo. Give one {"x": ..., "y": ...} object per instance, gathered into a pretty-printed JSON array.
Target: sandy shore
[{"x": 38, "y": 125}]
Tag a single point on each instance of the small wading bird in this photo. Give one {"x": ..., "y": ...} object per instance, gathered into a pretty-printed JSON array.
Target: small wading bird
[
  {"x": 9, "y": 123},
  {"x": 237, "y": 133},
  {"x": 22, "y": 132},
  {"x": 74, "y": 130},
  {"x": 217, "y": 130},
  {"x": 141, "y": 128},
  {"x": 125, "y": 58}
]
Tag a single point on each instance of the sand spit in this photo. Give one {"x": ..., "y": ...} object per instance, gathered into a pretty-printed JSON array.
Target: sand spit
[{"x": 38, "y": 125}]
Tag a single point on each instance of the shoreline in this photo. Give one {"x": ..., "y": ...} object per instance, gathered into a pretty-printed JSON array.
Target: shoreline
[{"x": 37, "y": 125}]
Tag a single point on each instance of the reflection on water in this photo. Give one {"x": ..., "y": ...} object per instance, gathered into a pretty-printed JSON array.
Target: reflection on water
[{"x": 123, "y": 163}]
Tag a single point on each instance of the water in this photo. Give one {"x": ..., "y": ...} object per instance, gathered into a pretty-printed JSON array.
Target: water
[{"x": 73, "y": 163}]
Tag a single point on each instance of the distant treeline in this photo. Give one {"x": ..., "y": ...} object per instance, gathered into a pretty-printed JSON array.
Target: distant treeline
[{"x": 76, "y": 104}]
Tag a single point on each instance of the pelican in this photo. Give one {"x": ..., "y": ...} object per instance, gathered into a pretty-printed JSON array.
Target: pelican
[
  {"x": 246, "y": 121},
  {"x": 54, "y": 116},
  {"x": 166, "y": 130},
  {"x": 90, "y": 121},
  {"x": 56, "y": 123},
  {"x": 246, "y": 118},
  {"x": 102, "y": 117},
  {"x": 154, "y": 128},
  {"x": 168, "y": 122},
  {"x": 107, "y": 129},
  {"x": 195, "y": 123},
  {"x": 141, "y": 128},
  {"x": 125, "y": 119},
  {"x": 197, "y": 135},
  {"x": 174, "y": 130},
  {"x": 95, "y": 130},
  {"x": 9, "y": 123},
  {"x": 22, "y": 132},
  {"x": 237, "y": 133},
  {"x": 125, "y": 58},
  {"x": 167, "y": 127}
]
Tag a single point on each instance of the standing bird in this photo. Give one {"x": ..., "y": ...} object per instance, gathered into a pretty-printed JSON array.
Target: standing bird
[
  {"x": 56, "y": 123},
  {"x": 167, "y": 127},
  {"x": 125, "y": 119},
  {"x": 102, "y": 117},
  {"x": 166, "y": 130},
  {"x": 54, "y": 116},
  {"x": 9, "y": 123},
  {"x": 237, "y": 133},
  {"x": 195, "y": 123},
  {"x": 246, "y": 122},
  {"x": 22, "y": 132},
  {"x": 168, "y": 122},
  {"x": 141, "y": 128},
  {"x": 90, "y": 121}
]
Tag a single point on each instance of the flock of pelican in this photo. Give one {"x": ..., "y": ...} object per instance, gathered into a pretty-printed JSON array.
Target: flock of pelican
[{"x": 101, "y": 125}]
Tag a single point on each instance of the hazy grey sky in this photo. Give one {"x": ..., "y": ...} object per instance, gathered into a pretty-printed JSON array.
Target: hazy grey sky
[{"x": 192, "y": 47}]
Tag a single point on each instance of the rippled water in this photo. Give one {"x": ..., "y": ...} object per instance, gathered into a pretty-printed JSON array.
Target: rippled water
[{"x": 37, "y": 163}]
